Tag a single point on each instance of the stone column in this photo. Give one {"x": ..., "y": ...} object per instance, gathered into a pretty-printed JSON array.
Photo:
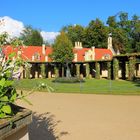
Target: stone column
[
  {"x": 137, "y": 69},
  {"x": 49, "y": 74},
  {"x": 87, "y": 70},
  {"x": 43, "y": 70},
  {"x": 109, "y": 70},
  {"x": 36, "y": 74},
  {"x": 97, "y": 68},
  {"x": 131, "y": 68},
  {"x": 56, "y": 71},
  {"x": 115, "y": 68},
  {"x": 27, "y": 72}
]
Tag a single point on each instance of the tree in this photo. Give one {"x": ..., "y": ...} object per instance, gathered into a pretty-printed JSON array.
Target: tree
[
  {"x": 63, "y": 50},
  {"x": 96, "y": 34},
  {"x": 75, "y": 33},
  {"x": 125, "y": 32},
  {"x": 135, "y": 34},
  {"x": 111, "y": 21},
  {"x": 31, "y": 37}
]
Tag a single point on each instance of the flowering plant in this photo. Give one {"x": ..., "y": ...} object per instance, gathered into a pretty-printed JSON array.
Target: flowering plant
[{"x": 9, "y": 68}]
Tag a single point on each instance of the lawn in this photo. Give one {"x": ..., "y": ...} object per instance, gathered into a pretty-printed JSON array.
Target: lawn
[{"x": 92, "y": 86}]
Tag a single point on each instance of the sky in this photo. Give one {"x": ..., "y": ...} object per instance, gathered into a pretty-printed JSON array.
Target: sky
[{"x": 52, "y": 15}]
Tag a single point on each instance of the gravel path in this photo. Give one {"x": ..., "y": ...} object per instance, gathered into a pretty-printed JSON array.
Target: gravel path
[{"x": 84, "y": 117}]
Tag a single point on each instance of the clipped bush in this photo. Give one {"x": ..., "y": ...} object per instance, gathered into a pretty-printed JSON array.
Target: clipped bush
[{"x": 68, "y": 80}]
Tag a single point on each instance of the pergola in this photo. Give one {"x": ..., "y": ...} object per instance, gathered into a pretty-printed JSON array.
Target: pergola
[{"x": 123, "y": 66}]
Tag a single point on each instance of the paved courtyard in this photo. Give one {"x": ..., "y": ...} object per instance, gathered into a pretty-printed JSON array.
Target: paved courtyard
[{"x": 84, "y": 117}]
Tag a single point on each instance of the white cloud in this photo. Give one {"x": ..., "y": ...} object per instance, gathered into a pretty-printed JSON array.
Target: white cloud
[
  {"x": 11, "y": 26},
  {"x": 49, "y": 36},
  {"x": 14, "y": 28}
]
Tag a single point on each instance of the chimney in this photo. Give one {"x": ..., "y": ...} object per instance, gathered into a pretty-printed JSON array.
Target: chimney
[
  {"x": 110, "y": 47},
  {"x": 43, "y": 49},
  {"x": 46, "y": 58},
  {"x": 78, "y": 45},
  {"x": 75, "y": 57},
  {"x": 109, "y": 42},
  {"x": 33, "y": 58},
  {"x": 93, "y": 52}
]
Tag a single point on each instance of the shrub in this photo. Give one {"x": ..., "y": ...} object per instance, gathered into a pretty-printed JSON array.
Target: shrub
[{"x": 68, "y": 80}]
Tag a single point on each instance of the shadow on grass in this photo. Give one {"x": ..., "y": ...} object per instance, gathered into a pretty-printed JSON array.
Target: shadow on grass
[
  {"x": 136, "y": 81},
  {"x": 43, "y": 127}
]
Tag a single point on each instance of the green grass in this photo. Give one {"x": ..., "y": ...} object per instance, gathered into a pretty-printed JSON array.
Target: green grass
[{"x": 91, "y": 86}]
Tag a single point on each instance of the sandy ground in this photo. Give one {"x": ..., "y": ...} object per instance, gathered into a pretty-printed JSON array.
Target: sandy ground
[{"x": 84, "y": 117}]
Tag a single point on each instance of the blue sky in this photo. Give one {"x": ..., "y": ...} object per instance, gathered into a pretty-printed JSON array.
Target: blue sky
[{"x": 52, "y": 15}]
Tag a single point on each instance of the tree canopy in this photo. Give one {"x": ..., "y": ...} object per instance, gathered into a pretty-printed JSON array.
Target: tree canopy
[
  {"x": 125, "y": 33},
  {"x": 62, "y": 49},
  {"x": 31, "y": 37}
]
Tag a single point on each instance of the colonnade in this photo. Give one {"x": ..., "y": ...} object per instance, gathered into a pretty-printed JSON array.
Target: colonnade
[{"x": 118, "y": 67}]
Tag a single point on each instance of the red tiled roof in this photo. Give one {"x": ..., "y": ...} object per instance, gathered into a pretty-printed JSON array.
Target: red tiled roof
[
  {"x": 80, "y": 54},
  {"x": 99, "y": 53},
  {"x": 28, "y": 52}
]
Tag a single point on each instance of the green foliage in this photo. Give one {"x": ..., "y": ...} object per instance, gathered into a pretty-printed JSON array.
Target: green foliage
[
  {"x": 115, "y": 68},
  {"x": 62, "y": 49},
  {"x": 43, "y": 86},
  {"x": 111, "y": 21},
  {"x": 125, "y": 33},
  {"x": 43, "y": 70},
  {"x": 56, "y": 69},
  {"x": 28, "y": 70},
  {"x": 7, "y": 95},
  {"x": 75, "y": 33},
  {"x": 131, "y": 68},
  {"x": 92, "y": 86},
  {"x": 68, "y": 80},
  {"x": 120, "y": 39},
  {"x": 109, "y": 70},
  {"x": 78, "y": 70},
  {"x": 8, "y": 69},
  {"x": 3, "y": 39},
  {"x": 31, "y": 37},
  {"x": 96, "y": 34}
]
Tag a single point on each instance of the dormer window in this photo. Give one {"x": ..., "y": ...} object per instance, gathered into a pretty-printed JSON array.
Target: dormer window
[
  {"x": 37, "y": 56},
  {"x": 106, "y": 56}
]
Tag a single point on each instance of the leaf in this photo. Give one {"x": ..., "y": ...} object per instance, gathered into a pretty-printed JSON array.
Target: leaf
[
  {"x": 6, "y": 109},
  {"x": 8, "y": 83},
  {"x": 2, "y": 115},
  {"x": 4, "y": 99},
  {"x": 12, "y": 55},
  {"x": 14, "y": 95},
  {"x": 2, "y": 82}
]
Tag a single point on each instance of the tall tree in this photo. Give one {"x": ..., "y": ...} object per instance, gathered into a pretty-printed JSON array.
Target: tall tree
[
  {"x": 111, "y": 21},
  {"x": 124, "y": 32},
  {"x": 31, "y": 37},
  {"x": 96, "y": 34},
  {"x": 63, "y": 50},
  {"x": 120, "y": 40},
  {"x": 74, "y": 32},
  {"x": 135, "y": 34}
]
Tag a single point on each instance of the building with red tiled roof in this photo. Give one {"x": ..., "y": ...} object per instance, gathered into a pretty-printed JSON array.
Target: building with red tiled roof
[
  {"x": 35, "y": 55},
  {"x": 41, "y": 53}
]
